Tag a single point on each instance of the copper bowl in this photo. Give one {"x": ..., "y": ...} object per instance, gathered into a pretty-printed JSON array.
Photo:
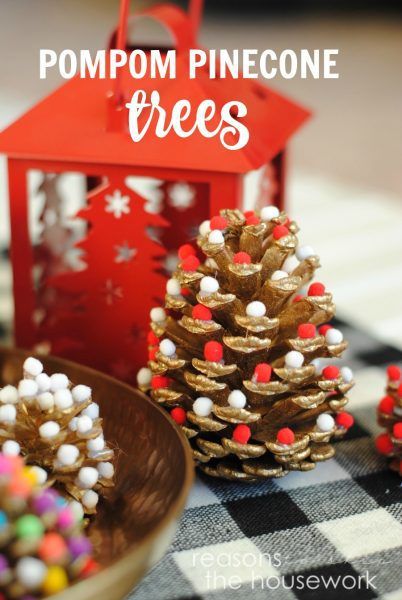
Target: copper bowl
[{"x": 154, "y": 472}]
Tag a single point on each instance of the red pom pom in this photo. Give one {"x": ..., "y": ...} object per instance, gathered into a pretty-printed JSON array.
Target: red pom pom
[
  {"x": 344, "y": 419},
  {"x": 152, "y": 339},
  {"x": 386, "y": 405},
  {"x": 190, "y": 263},
  {"x": 384, "y": 444},
  {"x": 241, "y": 434},
  {"x": 178, "y": 414},
  {"x": 201, "y": 312},
  {"x": 316, "y": 289},
  {"x": 185, "y": 292},
  {"x": 252, "y": 220},
  {"x": 397, "y": 430},
  {"x": 152, "y": 352},
  {"x": 242, "y": 258},
  {"x": 297, "y": 298},
  {"x": 330, "y": 372},
  {"x": 185, "y": 251},
  {"x": 394, "y": 373},
  {"x": 324, "y": 328},
  {"x": 285, "y": 436},
  {"x": 306, "y": 330},
  {"x": 218, "y": 223},
  {"x": 89, "y": 568},
  {"x": 249, "y": 213},
  {"x": 400, "y": 391},
  {"x": 279, "y": 231},
  {"x": 159, "y": 381},
  {"x": 262, "y": 373},
  {"x": 213, "y": 351}
]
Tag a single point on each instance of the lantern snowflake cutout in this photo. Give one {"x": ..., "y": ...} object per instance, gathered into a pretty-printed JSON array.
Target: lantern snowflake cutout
[
  {"x": 57, "y": 428},
  {"x": 117, "y": 204},
  {"x": 389, "y": 416},
  {"x": 181, "y": 196},
  {"x": 233, "y": 354}
]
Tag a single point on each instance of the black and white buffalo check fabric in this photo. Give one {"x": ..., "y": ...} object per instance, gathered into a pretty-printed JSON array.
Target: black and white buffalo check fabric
[{"x": 334, "y": 532}]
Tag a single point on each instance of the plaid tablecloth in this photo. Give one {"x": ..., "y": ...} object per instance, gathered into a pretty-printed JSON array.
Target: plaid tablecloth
[{"x": 286, "y": 538}]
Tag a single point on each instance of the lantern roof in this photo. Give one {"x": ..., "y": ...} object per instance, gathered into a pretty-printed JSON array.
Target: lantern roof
[{"x": 71, "y": 124}]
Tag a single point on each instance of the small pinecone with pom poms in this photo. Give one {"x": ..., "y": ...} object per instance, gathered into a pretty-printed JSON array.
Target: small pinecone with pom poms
[
  {"x": 389, "y": 416},
  {"x": 237, "y": 354},
  {"x": 56, "y": 427}
]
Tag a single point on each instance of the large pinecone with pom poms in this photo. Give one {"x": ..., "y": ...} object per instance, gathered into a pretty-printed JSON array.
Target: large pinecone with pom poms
[
  {"x": 389, "y": 416},
  {"x": 237, "y": 355}
]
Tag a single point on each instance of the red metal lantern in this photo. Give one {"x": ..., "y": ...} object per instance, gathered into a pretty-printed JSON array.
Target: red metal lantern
[{"x": 109, "y": 213}]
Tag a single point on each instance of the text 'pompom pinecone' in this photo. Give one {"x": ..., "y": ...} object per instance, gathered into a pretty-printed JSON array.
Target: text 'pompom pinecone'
[
  {"x": 235, "y": 355},
  {"x": 389, "y": 416}
]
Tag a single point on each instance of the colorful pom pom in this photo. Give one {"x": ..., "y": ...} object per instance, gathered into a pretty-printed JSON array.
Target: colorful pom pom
[
  {"x": 330, "y": 372},
  {"x": 218, "y": 223},
  {"x": 241, "y": 434},
  {"x": 178, "y": 415},
  {"x": 386, "y": 405},
  {"x": 213, "y": 351},
  {"x": 316, "y": 289},
  {"x": 201, "y": 312},
  {"x": 393, "y": 373},
  {"x": 306, "y": 330},
  {"x": 242, "y": 258},
  {"x": 285, "y": 436},
  {"x": 322, "y": 330},
  {"x": 262, "y": 373},
  {"x": 191, "y": 263},
  {"x": 397, "y": 430},
  {"x": 384, "y": 444},
  {"x": 280, "y": 231},
  {"x": 160, "y": 381},
  {"x": 186, "y": 250},
  {"x": 345, "y": 420}
]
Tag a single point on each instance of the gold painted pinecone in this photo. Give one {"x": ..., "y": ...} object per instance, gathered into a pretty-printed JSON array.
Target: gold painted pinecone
[
  {"x": 389, "y": 416},
  {"x": 234, "y": 356},
  {"x": 57, "y": 428}
]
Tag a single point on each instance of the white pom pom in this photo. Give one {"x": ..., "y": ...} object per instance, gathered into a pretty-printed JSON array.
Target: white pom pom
[
  {"x": 204, "y": 228},
  {"x": 269, "y": 212},
  {"x": 49, "y": 430},
  {"x": 30, "y": 572},
  {"x": 67, "y": 455},
  {"x": 27, "y": 388},
  {"x": 106, "y": 470},
  {"x": 173, "y": 287},
  {"x": 63, "y": 399},
  {"x": 237, "y": 399},
  {"x": 45, "y": 401},
  {"x": 9, "y": 395},
  {"x": 90, "y": 499},
  {"x": 216, "y": 237},
  {"x": 81, "y": 393},
  {"x": 294, "y": 359},
  {"x": 32, "y": 366},
  {"x": 11, "y": 448},
  {"x": 92, "y": 410},
  {"x": 316, "y": 362},
  {"x": 303, "y": 252},
  {"x": 8, "y": 413},
  {"x": 84, "y": 424},
  {"x": 144, "y": 376},
  {"x": 347, "y": 374},
  {"x": 43, "y": 382},
  {"x": 333, "y": 336},
  {"x": 209, "y": 285},
  {"x": 58, "y": 381},
  {"x": 202, "y": 406},
  {"x": 277, "y": 275},
  {"x": 157, "y": 314},
  {"x": 398, "y": 411},
  {"x": 77, "y": 509},
  {"x": 41, "y": 474},
  {"x": 167, "y": 347},
  {"x": 73, "y": 424},
  {"x": 290, "y": 264},
  {"x": 87, "y": 477},
  {"x": 96, "y": 444},
  {"x": 325, "y": 422},
  {"x": 255, "y": 309}
]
